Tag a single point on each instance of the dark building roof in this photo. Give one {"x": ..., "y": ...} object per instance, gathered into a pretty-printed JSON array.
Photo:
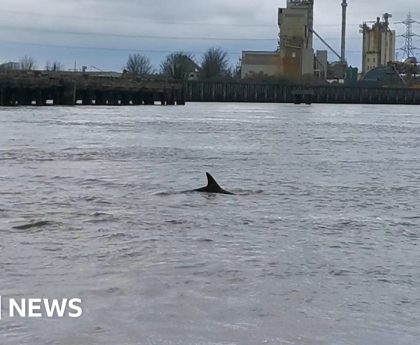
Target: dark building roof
[{"x": 384, "y": 76}]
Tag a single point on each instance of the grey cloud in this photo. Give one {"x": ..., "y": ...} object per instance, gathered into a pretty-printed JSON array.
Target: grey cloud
[{"x": 59, "y": 20}]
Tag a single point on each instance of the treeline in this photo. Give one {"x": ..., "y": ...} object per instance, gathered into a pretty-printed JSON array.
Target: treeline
[
  {"x": 28, "y": 63},
  {"x": 214, "y": 65}
]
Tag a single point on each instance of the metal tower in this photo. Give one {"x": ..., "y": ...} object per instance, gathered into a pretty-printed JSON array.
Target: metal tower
[
  {"x": 408, "y": 47},
  {"x": 343, "y": 31}
]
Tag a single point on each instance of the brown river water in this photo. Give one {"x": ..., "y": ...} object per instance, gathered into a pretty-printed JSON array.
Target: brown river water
[{"x": 320, "y": 245}]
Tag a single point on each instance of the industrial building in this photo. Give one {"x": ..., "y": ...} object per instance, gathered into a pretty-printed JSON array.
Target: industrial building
[
  {"x": 255, "y": 64},
  {"x": 321, "y": 64},
  {"x": 295, "y": 55},
  {"x": 378, "y": 44},
  {"x": 10, "y": 66},
  {"x": 296, "y": 37}
]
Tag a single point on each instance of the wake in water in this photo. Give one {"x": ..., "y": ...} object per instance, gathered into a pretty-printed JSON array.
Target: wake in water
[
  {"x": 212, "y": 188},
  {"x": 31, "y": 225},
  {"x": 235, "y": 192}
]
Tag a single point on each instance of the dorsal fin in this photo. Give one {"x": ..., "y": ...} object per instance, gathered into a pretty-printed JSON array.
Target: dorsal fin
[
  {"x": 211, "y": 183},
  {"x": 212, "y": 186}
]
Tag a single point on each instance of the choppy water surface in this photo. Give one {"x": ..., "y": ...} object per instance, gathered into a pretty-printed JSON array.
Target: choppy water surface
[{"x": 320, "y": 246}]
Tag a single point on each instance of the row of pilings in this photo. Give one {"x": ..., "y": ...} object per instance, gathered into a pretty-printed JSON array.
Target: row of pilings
[
  {"x": 10, "y": 97},
  {"x": 23, "y": 95},
  {"x": 274, "y": 93},
  {"x": 19, "y": 89}
]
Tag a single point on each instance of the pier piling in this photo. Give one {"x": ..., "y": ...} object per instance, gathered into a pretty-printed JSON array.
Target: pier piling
[
  {"x": 198, "y": 91},
  {"x": 71, "y": 88}
]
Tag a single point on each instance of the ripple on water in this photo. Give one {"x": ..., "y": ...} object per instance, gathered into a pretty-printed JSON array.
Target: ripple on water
[{"x": 320, "y": 240}]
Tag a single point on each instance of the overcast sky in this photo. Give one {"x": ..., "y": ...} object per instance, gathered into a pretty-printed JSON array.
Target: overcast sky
[{"x": 102, "y": 33}]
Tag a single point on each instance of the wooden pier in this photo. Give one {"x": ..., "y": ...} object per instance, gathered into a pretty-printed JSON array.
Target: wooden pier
[
  {"x": 274, "y": 93},
  {"x": 21, "y": 88},
  {"x": 63, "y": 88}
]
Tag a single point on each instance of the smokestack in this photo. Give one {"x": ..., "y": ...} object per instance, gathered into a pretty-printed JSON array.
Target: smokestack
[{"x": 343, "y": 31}]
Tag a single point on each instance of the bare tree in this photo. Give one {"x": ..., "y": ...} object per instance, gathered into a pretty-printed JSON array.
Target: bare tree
[
  {"x": 214, "y": 64},
  {"x": 54, "y": 67},
  {"x": 27, "y": 63},
  {"x": 178, "y": 66},
  {"x": 138, "y": 65}
]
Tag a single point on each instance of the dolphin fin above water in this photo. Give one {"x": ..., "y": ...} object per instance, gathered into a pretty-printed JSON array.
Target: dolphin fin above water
[{"x": 212, "y": 186}]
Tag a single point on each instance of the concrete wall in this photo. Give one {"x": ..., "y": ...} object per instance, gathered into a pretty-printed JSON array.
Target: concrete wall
[
  {"x": 268, "y": 63},
  {"x": 284, "y": 64},
  {"x": 294, "y": 24},
  {"x": 296, "y": 37},
  {"x": 307, "y": 61},
  {"x": 321, "y": 64}
]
